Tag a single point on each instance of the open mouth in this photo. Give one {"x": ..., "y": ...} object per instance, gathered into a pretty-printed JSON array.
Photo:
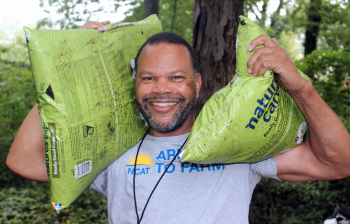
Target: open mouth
[{"x": 159, "y": 104}]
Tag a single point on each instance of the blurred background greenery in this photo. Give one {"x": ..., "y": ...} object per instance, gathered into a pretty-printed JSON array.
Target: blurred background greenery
[{"x": 315, "y": 34}]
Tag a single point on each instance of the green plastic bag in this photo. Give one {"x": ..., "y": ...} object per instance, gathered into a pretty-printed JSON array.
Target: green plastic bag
[
  {"x": 249, "y": 120},
  {"x": 85, "y": 95}
]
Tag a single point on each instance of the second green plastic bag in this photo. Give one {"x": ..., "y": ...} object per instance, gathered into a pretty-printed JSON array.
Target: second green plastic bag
[
  {"x": 85, "y": 95},
  {"x": 249, "y": 120}
]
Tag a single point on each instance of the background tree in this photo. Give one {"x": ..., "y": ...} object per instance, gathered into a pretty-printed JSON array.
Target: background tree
[
  {"x": 312, "y": 28},
  {"x": 215, "y": 24},
  {"x": 335, "y": 26},
  {"x": 258, "y": 8},
  {"x": 74, "y": 12},
  {"x": 175, "y": 16},
  {"x": 151, "y": 7},
  {"x": 277, "y": 14}
]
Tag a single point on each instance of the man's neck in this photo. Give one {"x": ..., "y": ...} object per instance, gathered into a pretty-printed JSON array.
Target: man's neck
[{"x": 184, "y": 129}]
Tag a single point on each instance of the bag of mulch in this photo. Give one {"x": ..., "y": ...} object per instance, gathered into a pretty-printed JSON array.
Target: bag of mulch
[
  {"x": 85, "y": 95},
  {"x": 249, "y": 120}
]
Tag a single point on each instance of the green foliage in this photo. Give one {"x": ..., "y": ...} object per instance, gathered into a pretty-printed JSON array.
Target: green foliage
[
  {"x": 281, "y": 27},
  {"x": 329, "y": 72},
  {"x": 285, "y": 202},
  {"x": 30, "y": 204},
  {"x": 175, "y": 16},
  {"x": 258, "y": 8},
  {"x": 334, "y": 27},
  {"x": 13, "y": 46},
  {"x": 73, "y": 11},
  {"x": 286, "y": 39},
  {"x": 334, "y": 30},
  {"x": 136, "y": 13}
]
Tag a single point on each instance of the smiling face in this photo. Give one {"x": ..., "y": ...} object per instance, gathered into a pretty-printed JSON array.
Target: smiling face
[{"x": 166, "y": 88}]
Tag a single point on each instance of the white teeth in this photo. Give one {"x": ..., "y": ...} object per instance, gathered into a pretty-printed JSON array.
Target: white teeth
[{"x": 163, "y": 104}]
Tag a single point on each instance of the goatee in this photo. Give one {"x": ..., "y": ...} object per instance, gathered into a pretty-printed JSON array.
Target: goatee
[{"x": 180, "y": 115}]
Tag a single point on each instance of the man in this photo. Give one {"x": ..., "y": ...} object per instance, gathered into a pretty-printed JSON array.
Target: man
[{"x": 167, "y": 86}]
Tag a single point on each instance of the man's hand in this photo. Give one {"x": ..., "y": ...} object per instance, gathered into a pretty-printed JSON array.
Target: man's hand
[
  {"x": 95, "y": 25},
  {"x": 275, "y": 58}
]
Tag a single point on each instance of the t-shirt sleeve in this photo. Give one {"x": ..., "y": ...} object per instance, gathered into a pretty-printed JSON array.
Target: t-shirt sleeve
[
  {"x": 100, "y": 183},
  {"x": 266, "y": 168}
]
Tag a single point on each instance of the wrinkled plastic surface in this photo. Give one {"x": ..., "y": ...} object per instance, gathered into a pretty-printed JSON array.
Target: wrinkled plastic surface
[
  {"x": 85, "y": 95},
  {"x": 249, "y": 120}
]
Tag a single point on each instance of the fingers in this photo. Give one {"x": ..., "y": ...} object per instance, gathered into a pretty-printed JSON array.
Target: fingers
[
  {"x": 103, "y": 25},
  {"x": 263, "y": 63},
  {"x": 275, "y": 58},
  {"x": 264, "y": 58},
  {"x": 108, "y": 22},
  {"x": 274, "y": 40},
  {"x": 255, "y": 64},
  {"x": 262, "y": 40},
  {"x": 95, "y": 25}
]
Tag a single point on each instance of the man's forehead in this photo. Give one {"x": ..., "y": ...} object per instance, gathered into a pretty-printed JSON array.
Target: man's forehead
[
  {"x": 170, "y": 72},
  {"x": 163, "y": 45},
  {"x": 163, "y": 51}
]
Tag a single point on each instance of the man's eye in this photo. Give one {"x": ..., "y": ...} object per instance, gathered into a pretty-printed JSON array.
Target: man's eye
[
  {"x": 148, "y": 78},
  {"x": 177, "y": 77}
]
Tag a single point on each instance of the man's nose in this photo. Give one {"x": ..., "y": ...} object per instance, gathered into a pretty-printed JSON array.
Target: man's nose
[{"x": 162, "y": 86}]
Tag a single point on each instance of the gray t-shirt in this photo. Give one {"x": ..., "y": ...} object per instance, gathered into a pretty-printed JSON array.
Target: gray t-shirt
[{"x": 188, "y": 192}]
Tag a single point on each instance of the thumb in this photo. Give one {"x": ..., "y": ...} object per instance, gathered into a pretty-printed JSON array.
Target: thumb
[
  {"x": 274, "y": 40},
  {"x": 106, "y": 22}
]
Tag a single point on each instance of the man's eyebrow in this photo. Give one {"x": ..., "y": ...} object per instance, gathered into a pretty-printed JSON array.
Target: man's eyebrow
[
  {"x": 145, "y": 72},
  {"x": 177, "y": 71},
  {"x": 171, "y": 72}
]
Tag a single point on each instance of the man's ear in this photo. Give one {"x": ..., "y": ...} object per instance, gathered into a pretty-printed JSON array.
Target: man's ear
[{"x": 198, "y": 83}]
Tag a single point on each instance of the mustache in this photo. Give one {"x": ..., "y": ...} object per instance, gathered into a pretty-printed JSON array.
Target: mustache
[{"x": 163, "y": 97}]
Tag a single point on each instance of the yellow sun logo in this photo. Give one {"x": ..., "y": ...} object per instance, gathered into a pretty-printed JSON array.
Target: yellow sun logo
[{"x": 142, "y": 159}]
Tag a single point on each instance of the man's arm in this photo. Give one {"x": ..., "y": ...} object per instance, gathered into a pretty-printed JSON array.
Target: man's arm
[
  {"x": 326, "y": 155},
  {"x": 26, "y": 156}
]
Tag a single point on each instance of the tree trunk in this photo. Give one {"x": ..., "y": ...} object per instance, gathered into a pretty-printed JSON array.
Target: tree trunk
[
  {"x": 215, "y": 24},
  {"x": 173, "y": 18},
  {"x": 312, "y": 28},
  {"x": 151, "y": 7}
]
